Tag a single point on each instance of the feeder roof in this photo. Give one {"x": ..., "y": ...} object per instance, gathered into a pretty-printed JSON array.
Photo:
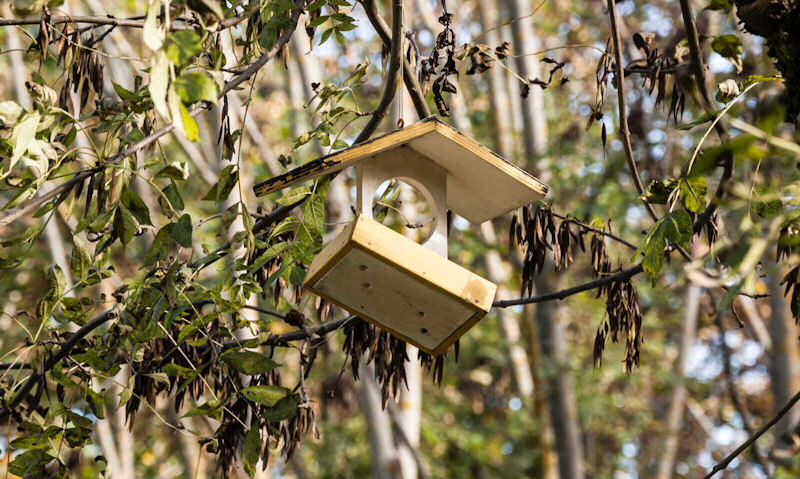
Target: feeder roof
[{"x": 481, "y": 185}]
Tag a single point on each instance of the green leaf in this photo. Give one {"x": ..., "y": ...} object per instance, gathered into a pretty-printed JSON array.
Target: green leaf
[
  {"x": 124, "y": 94},
  {"x": 176, "y": 370},
  {"x": 730, "y": 47},
  {"x": 325, "y": 35},
  {"x": 177, "y": 170},
  {"x": 183, "y": 45},
  {"x": 196, "y": 86},
  {"x": 340, "y": 39},
  {"x": 704, "y": 118},
  {"x": 136, "y": 206},
  {"x": 675, "y": 227},
  {"x": 161, "y": 245},
  {"x": 21, "y": 137},
  {"x": 124, "y": 225},
  {"x": 252, "y": 448},
  {"x": 286, "y": 225},
  {"x": 264, "y": 394},
  {"x": 30, "y": 464},
  {"x": 222, "y": 189},
  {"x": 212, "y": 409},
  {"x": 658, "y": 191},
  {"x": 719, "y": 5},
  {"x": 249, "y": 362},
  {"x": 182, "y": 231},
  {"x": 173, "y": 197},
  {"x": 744, "y": 147},
  {"x": 80, "y": 260},
  {"x": 10, "y": 112},
  {"x": 339, "y": 144},
  {"x": 757, "y": 79},
  {"x": 692, "y": 193},
  {"x": 159, "y": 82},
  {"x": 56, "y": 280},
  {"x": 284, "y": 409},
  {"x": 768, "y": 209},
  {"x": 318, "y": 21},
  {"x": 294, "y": 195}
]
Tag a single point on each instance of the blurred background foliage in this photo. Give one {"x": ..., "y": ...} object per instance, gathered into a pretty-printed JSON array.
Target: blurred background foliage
[{"x": 728, "y": 373}]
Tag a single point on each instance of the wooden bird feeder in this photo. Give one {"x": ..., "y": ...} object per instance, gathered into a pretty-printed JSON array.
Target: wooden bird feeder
[{"x": 409, "y": 289}]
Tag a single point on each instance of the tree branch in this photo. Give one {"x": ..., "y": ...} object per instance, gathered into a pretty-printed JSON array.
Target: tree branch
[
  {"x": 622, "y": 275},
  {"x": 62, "y": 353},
  {"x": 392, "y": 74},
  {"x": 133, "y": 22},
  {"x": 409, "y": 76},
  {"x": 26, "y": 207},
  {"x": 624, "y": 132},
  {"x": 698, "y": 71},
  {"x": 752, "y": 439}
]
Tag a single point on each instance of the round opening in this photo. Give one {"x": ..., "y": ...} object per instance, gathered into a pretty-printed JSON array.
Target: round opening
[
  {"x": 366, "y": 285},
  {"x": 423, "y": 330},
  {"x": 362, "y": 267},
  {"x": 404, "y": 208}
]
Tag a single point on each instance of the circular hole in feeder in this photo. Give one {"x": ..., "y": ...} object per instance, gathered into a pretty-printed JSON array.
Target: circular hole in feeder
[
  {"x": 366, "y": 285},
  {"x": 421, "y": 313},
  {"x": 362, "y": 267},
  {"x": 404, "y": 208},
  {"x": 423, "y": 330}
]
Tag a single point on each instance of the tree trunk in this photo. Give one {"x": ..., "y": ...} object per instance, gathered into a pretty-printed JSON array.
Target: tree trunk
[
  {"x": 666, "y": 464},
  {"x": 379, "y": 430},
  {"x": 559, "y": 392},
  {"x": 533, "y": 119},
  {"x": 784, "y": 364}
]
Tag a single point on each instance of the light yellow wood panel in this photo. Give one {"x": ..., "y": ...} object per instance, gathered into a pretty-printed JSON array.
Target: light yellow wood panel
[
  {"x": 393, "y": 299},
  {"x": 424, "y": 263},
  {"x": 481, "y": 184},
  {"x": 389, "y": 279}
]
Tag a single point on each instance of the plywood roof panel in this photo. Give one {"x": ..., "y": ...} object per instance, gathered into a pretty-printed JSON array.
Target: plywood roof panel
[{"x": 481, "y": 185}]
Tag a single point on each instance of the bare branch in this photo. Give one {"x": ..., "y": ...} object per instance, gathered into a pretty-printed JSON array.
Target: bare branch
[
  {"x": 392, "y": 74},
  {"x": 752, "y": 439},
  {"x": 133, "y": 22},
  {"x": 409, "y": 76},
  {"x": 624, "y": 132},
  {"x": 622, "y": 275}
]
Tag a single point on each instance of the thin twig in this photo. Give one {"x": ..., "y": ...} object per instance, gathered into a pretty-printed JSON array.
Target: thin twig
[
  {"x": 392, "y": 73},
  {"x": 752, "y": 439},
  {"x": 409, "y": 75},
  {"x": 133, "y": 22},
  {"x": 622, "y": 275},
  {"x": 595, "y": 230},
  {"x": 624, "y": 132}
]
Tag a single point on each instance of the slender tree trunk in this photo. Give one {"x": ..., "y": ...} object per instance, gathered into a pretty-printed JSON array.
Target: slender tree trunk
[
  {"x": 379, "y": 429},
  {"x": 784, "y": 366},
  {"x": 558, "y": 386},
  {"x": 675, "y": 413},
  {"x": 533, "y": 119},
  {"x": 559, "y": 392}
]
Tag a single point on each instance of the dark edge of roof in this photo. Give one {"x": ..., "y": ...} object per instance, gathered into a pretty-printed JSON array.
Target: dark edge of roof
[{"x": 315, "y": 163}]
